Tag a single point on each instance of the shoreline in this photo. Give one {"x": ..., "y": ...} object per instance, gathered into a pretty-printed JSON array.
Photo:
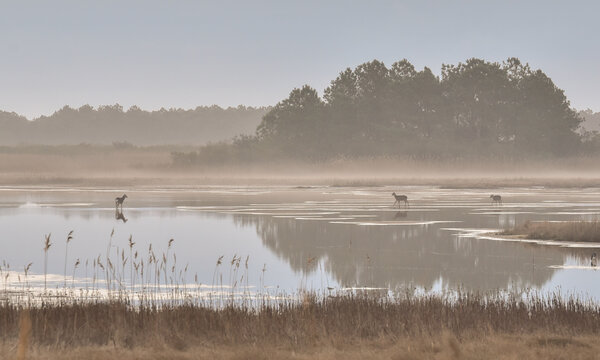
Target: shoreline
[
  {"x": 495, "y": 236},
  {"x": 338, "y": 180}
]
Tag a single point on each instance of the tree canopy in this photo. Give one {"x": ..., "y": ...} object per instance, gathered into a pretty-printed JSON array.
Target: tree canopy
[{"x": 487, "y": 108}]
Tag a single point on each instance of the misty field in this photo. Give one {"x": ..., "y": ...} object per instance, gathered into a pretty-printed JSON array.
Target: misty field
[{"x": 125, "y": 164}]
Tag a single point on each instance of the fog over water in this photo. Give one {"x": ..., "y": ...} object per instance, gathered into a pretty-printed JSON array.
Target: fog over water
[{"x": 310, "y": 237}]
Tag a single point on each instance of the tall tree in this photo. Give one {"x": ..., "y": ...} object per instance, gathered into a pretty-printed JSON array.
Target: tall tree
[
  {"x": 293, "y": 123},
  {"x": 546, "y": 122}
]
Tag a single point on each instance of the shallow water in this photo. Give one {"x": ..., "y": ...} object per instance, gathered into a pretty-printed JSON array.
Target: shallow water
[{"x": 292, "y": 238}]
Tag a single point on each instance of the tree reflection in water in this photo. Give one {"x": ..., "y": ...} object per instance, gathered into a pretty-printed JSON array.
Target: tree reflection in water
[{"x": 421, "y": 255}]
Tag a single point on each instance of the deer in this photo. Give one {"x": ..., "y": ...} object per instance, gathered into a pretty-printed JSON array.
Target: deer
[
  {"x": 496, "y": 199},
  {"x": 400, "y": 198},
  {"x": 594, "y": 260},
  {"x": 119, "y": 201}
]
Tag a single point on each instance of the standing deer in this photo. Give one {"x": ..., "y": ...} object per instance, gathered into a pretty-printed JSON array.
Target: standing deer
[
  {"x": 496, "y": 199},
  {"x": 594, "y": 261},
  {"x": 400, "y": 198},
  {"x": 119, "y": 201}
]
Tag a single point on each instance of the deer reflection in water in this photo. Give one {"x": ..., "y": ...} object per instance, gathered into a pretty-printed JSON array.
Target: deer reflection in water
[
  {"x": 119, "y": 215},
  {"x": 400, "y": 215}
]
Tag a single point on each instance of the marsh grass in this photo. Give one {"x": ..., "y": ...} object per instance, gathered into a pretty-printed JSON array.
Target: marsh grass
[
  {"x": 575, "y": 231},
  {"x": 180, "y": 318},
  {"x": 24, "y": 334},
  {"x": 315, "y": 321},
  {"x": 156, "y": 306}
]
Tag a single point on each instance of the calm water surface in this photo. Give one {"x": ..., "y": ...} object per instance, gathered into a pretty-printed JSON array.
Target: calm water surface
[{"x": 314, "y": 237}]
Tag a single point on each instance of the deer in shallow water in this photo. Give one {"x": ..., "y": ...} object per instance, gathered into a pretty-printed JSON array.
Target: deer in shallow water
[
  {"x": 119, "y": 201},
  {"x": 496, "y": 199},
  {"x": 400, "y": 198}
]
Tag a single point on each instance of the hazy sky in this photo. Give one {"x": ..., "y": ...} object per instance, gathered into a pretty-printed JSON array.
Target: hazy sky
[{"x": 188, "y": 53}]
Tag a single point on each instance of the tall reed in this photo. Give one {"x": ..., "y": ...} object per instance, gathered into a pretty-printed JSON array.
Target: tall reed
[
  {"x": 47, "y": 245},
  {"x": 69, "y": 238}
]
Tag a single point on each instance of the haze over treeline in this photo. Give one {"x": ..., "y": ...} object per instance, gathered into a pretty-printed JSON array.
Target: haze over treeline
[
  {"x": 591, "y": 120},
  {"x": 111, "y": 124},
  {"x": 474, "y": 106},
  {"x": 474, "y": 109}
]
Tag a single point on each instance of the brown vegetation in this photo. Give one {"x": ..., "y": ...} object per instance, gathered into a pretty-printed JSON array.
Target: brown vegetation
[
  {"x": 513, "y": 347},
  {"x": 146, "y": 317},
  {"x": 406, "y": 327},
  {"x": 576, "y": 231}
]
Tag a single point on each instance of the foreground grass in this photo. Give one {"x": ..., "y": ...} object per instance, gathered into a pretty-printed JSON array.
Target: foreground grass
[
  {"x": 531, "y": 346},
  {"x": 576, "y": 231},
  {"x": 349, "y": 326}
]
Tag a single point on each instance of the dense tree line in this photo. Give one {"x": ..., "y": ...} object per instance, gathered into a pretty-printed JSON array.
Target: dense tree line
[
  {"x": 477, "y": 107},
  {"x": 111, "y": 124},
  {"x": 480, "y": 108}
]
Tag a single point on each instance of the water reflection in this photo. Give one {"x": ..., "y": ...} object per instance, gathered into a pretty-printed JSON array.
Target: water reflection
[
  {"x": 342, "y": 237},
  {"x": 424, "y": 255},
  {"x": 400, "y": 215},
  {"x": 119, "y": 215}
]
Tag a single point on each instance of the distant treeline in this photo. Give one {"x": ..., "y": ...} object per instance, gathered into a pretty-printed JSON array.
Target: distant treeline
[
  {"x": 111, "y": 124},
  {"x": 474, "y": 109}
]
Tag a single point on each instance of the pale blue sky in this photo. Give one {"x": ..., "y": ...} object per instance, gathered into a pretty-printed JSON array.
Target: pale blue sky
[{"x": 189, "y": 53}]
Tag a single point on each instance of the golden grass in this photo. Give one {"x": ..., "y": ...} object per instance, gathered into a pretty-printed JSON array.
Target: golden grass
[
  {"x": 446, "y": 347},
  {"x": 576, "y": 231},
  {"x": 183, "y": 323},
  {"x": 24, "y": 334},
  {"x": 351, "y": 327},
  {"x": 291, "y": 326}
]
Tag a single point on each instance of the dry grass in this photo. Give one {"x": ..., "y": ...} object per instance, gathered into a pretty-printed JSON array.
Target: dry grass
[
  {"x": 330, "y": 327},
  {"x": 530, "y": 346},
  {"x": 576, "y": 231},
  {"x": 181, "y": 322}
]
